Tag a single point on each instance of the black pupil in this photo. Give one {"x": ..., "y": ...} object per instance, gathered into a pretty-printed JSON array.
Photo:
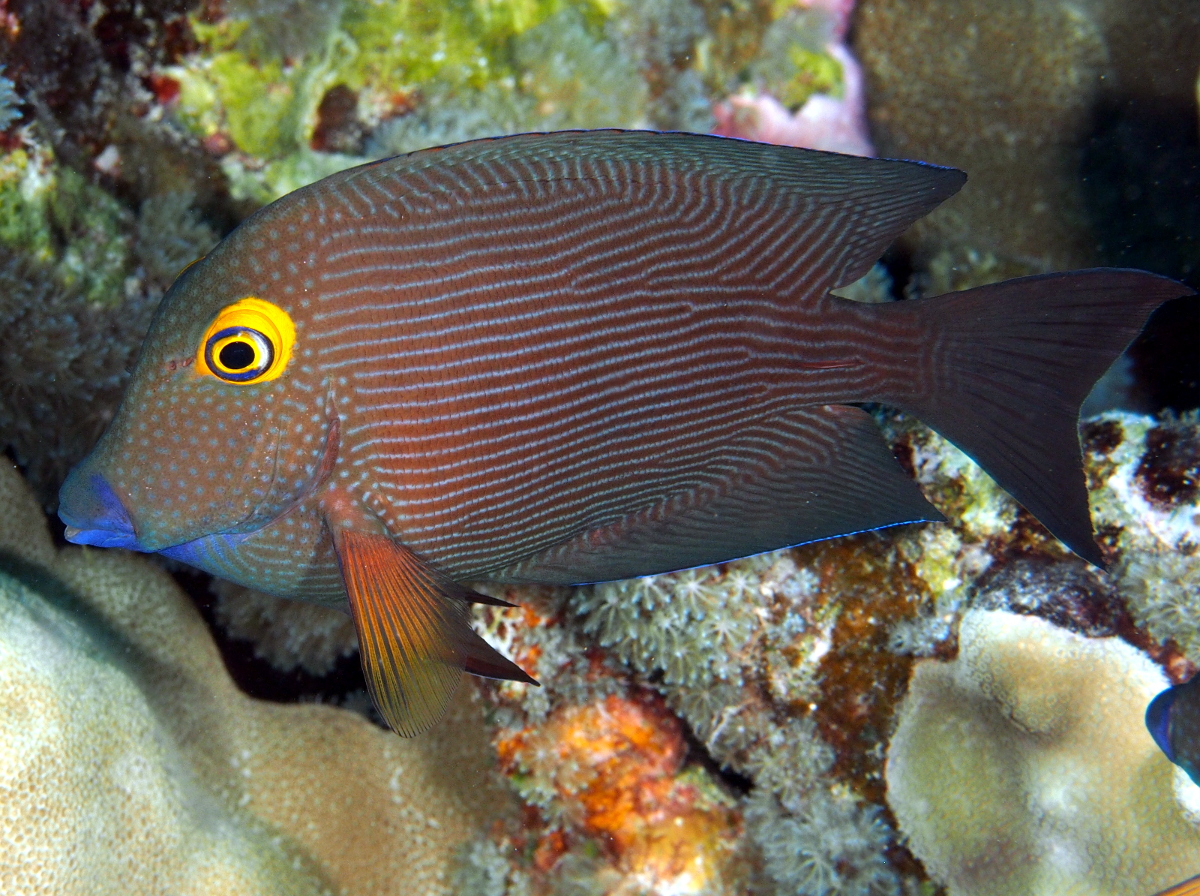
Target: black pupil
[{"x": 236, "y": 355}]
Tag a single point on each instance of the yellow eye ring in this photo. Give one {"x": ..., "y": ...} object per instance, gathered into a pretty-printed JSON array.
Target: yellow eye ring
[{"x": 248, "y": 342}]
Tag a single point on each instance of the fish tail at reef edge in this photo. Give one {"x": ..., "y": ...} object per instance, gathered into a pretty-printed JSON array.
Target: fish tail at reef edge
[{"x": 1003, "y": 369}]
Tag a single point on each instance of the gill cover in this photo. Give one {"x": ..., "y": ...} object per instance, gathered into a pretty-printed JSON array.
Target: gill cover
[{"x": 248, "y": 342}]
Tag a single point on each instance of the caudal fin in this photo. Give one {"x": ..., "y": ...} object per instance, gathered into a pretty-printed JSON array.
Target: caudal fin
[{"x": 1004, "y": 369}]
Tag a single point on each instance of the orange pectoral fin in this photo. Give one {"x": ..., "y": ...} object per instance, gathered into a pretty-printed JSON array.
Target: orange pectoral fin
[
  {"x": 414, "y": 632},
  {"x": 1190, "y": 887}
]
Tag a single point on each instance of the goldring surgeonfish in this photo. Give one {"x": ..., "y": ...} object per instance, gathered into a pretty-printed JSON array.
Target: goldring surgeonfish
[{"x": 571, "y": 358}]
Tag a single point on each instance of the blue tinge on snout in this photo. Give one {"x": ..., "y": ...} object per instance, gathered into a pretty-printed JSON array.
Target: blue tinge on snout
[{"x": 94, "y": 514}]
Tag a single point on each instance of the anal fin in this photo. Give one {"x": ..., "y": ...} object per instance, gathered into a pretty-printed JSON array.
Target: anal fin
[
  {"x": 414, "y": 630},
  {"x": 809, "y": 474}
]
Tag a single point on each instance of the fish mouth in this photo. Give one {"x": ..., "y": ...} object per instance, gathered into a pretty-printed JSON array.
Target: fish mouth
[{"x": 94, "y": 515}]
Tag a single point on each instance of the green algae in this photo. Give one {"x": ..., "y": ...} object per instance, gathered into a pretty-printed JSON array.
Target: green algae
[
  {"x": 792, "y": 63},
  {"x": 464, "y": 41},
  {"x": 265, "y": 106},
  {"x": 54, "y": 216},
  {"x": 266, "y": 102},
  {"x": 243, "y": 86}
]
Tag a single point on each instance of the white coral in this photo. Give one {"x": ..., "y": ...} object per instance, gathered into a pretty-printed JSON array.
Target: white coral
[{"x": 1024, "y": 767}]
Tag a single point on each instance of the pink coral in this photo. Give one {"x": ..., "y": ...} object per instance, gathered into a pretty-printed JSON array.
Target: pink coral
[{"x": 824, "y": 121}]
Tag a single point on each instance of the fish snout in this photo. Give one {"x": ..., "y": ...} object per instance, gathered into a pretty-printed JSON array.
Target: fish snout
[{"x": 93, "y": 513}]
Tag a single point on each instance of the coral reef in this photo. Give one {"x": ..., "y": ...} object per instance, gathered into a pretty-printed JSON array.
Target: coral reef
[
  {"x": 614, "y": 766},
  {"x": 80, "y": 273},
  {"x": 259, "y": 92},
  {"x": 788, "y": 668},
  {"x": 806, "y": 87},
  {"x": 88, "y": 77},
  {"x": 63, "y": 368},
  {"x": 281, "y": 110},
  {"x": 662, "y": 40},
  {"x": 780, "y": 666},
  {"x": 1146, "y": 482},
  {"x": 57, "y": 218},
  {"x": 616, "y": 802},
  {"x": 80, "y": 276},
  {"x": 1023, "y": 766},
  {"x": 824, "y": 844},
  {"x": 131, "y": 764},
  {"x": 170, "y": 235},
  {"x": 720, "y": 730}
]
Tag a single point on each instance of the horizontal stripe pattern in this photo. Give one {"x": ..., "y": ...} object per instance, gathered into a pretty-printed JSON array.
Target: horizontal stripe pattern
[
  {"x": 540, "y": 336},
  {"x": 530, "y": 339}
]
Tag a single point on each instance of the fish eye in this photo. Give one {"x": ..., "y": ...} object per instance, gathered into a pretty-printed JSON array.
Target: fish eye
[
  {"x": 238, "y": 354},
  {"x": 249, "y": 341}
]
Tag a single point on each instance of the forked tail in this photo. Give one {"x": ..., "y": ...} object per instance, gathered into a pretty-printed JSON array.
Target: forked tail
[{"x": 1002, "y": 370}]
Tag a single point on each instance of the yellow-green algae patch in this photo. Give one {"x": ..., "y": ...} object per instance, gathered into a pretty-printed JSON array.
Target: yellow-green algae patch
[{"x": 53, "y": 215}]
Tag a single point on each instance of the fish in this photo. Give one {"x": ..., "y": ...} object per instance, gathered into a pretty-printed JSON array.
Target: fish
[
  {"x": 567, "y": 358},
  {"x": 1173, "y": 719},
  {"x": 1189, "y": 887}
]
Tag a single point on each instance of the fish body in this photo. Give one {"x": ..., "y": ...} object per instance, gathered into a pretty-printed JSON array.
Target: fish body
[{"x": 570, "y": 358}]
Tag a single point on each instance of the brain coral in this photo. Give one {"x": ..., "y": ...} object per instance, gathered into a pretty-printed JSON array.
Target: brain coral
[
  {"x": 1023, "y": 767},
  {"x": 130, "y": 764}
]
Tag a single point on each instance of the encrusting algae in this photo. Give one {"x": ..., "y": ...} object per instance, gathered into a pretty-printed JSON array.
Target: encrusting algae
[{"x": 614, "y": 766}]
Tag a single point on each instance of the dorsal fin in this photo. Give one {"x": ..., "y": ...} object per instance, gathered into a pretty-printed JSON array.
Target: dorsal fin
[{"x": 845, "y": 210}]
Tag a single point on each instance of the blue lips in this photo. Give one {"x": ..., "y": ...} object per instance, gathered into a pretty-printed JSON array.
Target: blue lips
[{"x": 94, "y": 514}]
